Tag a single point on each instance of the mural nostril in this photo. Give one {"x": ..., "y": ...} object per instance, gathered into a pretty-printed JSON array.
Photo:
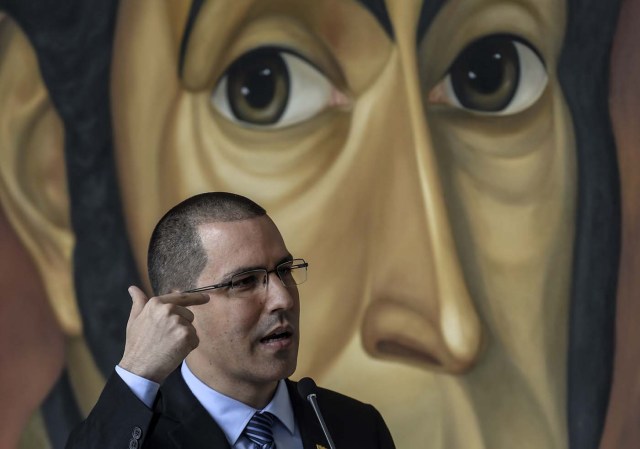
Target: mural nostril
[
  {"x": 393, "y": 329},
  {"x": 397, "y": 349}
]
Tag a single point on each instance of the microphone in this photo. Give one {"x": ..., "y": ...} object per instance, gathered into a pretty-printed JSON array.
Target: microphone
[{"x": 307, "y": 389}]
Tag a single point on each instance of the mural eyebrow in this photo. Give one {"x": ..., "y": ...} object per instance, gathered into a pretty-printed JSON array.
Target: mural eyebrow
[
  {"x": 376, "y": 7},
  {"x": 379, "y": 11},
  {"x": 430, "y": 9},
  {"x": 196, "y": 5}
]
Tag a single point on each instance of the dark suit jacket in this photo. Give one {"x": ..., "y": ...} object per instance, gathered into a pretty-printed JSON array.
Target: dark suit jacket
[{"x": 121, "y": 421}]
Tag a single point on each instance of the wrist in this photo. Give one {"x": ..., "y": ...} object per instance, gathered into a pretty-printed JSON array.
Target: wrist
[
  {"x": 144, "y": 389},
  {"x": 136, "y": 369}
]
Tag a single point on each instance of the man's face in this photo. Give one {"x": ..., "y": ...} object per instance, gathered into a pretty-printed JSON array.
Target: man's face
[
  {"x": 237, "y": 344},
  {"x": 433, "y": 198}
]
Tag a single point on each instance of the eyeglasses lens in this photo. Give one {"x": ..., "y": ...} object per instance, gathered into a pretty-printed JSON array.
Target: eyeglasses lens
[
  {"x": 292, "y": 273},
  {"x": 247, "y": 283}
]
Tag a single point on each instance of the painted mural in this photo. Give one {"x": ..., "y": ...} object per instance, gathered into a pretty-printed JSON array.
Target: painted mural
[{"x": 450, "y": 170}]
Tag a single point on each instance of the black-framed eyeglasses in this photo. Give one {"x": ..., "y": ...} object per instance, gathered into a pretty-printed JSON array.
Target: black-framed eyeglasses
[{"x": 290, "y": 273}]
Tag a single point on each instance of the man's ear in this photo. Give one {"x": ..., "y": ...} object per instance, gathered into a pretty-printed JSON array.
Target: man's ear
[{"x": 33, "y": 189}]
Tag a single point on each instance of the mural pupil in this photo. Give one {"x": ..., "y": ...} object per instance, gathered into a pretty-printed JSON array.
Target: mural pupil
[
  {"x": 258, "y": 87},
  {"x": 485, "y": 75}
]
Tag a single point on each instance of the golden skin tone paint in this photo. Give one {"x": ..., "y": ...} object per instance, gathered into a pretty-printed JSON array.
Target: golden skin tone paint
[
  {"x": 436, "y": 213},
  {"x": 439, "y": 237}
]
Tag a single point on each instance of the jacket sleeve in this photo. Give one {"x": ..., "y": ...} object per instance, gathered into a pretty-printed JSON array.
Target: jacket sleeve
[{"x": 119, "y": 420}]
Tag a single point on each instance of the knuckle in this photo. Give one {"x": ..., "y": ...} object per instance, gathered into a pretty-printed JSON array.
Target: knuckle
[
  {"x": 174, "y": 320},
  {"x": 165, "y": 309},
  {"x": 182, "y": 333}
]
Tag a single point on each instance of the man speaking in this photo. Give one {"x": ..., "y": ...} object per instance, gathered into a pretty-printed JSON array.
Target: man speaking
[{"x": 206, "y": 360}]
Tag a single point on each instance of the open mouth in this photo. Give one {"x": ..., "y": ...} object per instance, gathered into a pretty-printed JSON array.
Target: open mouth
[{"x": 276, "y": 336}]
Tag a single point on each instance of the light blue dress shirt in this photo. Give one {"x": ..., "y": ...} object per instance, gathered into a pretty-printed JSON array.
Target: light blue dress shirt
[{"x": 231, "y": 415}]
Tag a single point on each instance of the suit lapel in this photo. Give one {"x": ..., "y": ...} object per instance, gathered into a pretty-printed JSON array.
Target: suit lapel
[
  {"x": 198, "y": 431},
  {"x": 193, "y": 428},
  {"x": 310, "y": 430}
]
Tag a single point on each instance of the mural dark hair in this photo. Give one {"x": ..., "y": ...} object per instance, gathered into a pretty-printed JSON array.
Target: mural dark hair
[
  {"x": 176, "y": 256},
  {"x": 73, "y": 41},
  {"x": 584, "y": 76}
]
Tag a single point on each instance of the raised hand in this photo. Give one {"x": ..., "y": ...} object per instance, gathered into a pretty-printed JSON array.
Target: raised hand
[{"x": 160, "y": 333}]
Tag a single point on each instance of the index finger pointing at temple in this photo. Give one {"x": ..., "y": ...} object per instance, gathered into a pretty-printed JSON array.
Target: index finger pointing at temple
[{"x": 185, "y": 299}]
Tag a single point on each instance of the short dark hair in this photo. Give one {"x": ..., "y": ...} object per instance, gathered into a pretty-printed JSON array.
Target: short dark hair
[{"x": 176, "y": 256}]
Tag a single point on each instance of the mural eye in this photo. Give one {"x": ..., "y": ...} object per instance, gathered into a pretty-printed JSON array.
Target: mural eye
[
  {"x": 497, "y": 74},
  {"x": 270, "y": 87}
]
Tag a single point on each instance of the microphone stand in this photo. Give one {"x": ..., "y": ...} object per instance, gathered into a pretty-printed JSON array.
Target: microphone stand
[
  {"x": 307, "y": 389},
  {"x": 314, "y": 403}
]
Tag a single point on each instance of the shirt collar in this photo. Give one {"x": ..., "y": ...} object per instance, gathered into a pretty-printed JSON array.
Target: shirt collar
[{"x": 232, "y": 415}]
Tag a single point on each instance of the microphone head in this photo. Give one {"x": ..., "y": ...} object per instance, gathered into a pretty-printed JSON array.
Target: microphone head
[{"x": 306, "y": 387}]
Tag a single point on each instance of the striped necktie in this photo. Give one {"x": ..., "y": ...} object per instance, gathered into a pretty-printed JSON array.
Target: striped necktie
[{"x": 259, "y": 431}]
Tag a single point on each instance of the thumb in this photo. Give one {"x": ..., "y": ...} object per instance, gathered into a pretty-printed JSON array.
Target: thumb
[{"x": 138, "y": 301}]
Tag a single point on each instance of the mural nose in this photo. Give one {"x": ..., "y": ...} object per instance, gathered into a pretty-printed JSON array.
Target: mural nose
[
  {"x": 435, "y": 328},
  {"x": 421, "y": 311}
]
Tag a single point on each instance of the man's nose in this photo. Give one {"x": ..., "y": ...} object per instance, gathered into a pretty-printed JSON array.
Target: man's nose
[
  {"x": 277, "y": 294},
  {"x": 421, "y": 310}
]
